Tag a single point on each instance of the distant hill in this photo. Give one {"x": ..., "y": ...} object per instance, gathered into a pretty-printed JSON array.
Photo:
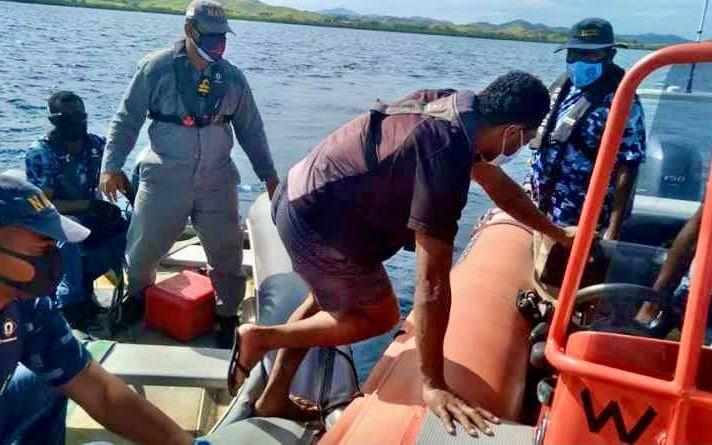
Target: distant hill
[
  {"x": 655, "y": 39},
  {"x": 345, "y": 18},
  {"x": 339, "y": 11},
  {"x": 525, "y": 27},
  {"x": 520, "y": 26},
  {"x": 409, "y": 21}
]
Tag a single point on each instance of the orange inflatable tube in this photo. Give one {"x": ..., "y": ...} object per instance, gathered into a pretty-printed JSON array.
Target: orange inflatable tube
[{"x": 486, "y": 348}]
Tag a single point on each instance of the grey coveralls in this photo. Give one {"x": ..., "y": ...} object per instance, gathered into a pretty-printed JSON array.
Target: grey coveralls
[{"x": 187, "y": 171}]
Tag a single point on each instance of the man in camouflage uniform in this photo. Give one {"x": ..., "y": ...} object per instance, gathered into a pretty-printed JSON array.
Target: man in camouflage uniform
[
  {"x": 566, "y": 146},
  {"x": 65, "y": 165}
]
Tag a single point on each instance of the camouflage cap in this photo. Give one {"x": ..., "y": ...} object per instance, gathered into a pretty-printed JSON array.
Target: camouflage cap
[{"x": 209, "y": 17}]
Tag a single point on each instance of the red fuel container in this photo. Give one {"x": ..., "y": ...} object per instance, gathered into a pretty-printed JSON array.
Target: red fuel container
[{"x": 182, "y": 306}]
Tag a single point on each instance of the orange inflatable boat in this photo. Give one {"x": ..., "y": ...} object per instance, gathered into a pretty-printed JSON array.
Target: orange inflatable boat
[{"x": 486, "y": 356}]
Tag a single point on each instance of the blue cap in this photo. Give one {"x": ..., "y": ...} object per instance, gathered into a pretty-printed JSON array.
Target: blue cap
[
  {"x": 209, "y": 16},
  {"x": 23, "y": 204}
]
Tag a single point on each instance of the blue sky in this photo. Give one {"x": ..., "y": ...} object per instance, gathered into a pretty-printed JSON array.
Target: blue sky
[{"x": 628, "y": 16}]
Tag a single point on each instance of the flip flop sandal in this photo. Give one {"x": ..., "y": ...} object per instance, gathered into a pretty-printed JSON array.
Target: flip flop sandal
[
  {"x": 304, "y": 402},
  {"x": 235, "y": 366},
  {"x": 308, "y": 404}
]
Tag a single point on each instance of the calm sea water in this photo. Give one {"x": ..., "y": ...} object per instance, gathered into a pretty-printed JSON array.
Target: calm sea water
[{"x": 307, "y": 82}]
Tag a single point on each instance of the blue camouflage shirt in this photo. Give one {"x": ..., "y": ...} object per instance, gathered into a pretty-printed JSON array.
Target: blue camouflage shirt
[
  {"x": 570, "y": 167},
  {"x": 34, "y": 333},
  {"x": 70, "y": 177}
]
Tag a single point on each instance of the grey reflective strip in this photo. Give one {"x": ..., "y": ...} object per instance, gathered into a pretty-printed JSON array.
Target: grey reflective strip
[
  {"x": 565, "y": 128},
  {"x": 443, "y": 108},
  {"x": 410, "y": 106}
]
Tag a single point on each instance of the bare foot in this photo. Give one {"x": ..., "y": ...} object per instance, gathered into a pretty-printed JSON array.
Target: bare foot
[
  {"x": 294, "y": 408},
  {"x": 250, "y": 352}
]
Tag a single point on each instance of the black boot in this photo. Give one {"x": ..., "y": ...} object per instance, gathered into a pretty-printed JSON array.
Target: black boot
[
  {"x": 81, "y": 316},
  {"x": 133, "y": 310},
  {"x": 225, "y": 337}
]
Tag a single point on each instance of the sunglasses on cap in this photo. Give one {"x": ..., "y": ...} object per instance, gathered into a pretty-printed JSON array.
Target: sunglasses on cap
[
  {"x": 580, "y": 55},
  {"x": 74, "y": 117},
  {"x": 212, "y": 37}
]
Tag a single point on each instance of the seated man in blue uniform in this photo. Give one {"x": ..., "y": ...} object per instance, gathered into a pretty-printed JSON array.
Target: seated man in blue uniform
[
  {"x": 566, "y": 144},
  {"x": 41, "y": 363},
  {"x": 65, "y": 164}
]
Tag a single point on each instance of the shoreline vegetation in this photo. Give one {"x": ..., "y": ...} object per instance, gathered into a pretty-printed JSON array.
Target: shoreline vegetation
[{"x": 255, "y": 10}]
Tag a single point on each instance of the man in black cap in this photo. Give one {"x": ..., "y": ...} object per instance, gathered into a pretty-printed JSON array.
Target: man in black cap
[
  {"x": 41, "y": 363},
  {"x": 566, "y": 145},
  {"x": 195, "y": 100}
]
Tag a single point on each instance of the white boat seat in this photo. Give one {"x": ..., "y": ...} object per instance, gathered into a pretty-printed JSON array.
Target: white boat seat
[
  {"x": 157, "y": 365},
  {"x": 265, "y": 431},
  {"x": 193, "y": 257}
]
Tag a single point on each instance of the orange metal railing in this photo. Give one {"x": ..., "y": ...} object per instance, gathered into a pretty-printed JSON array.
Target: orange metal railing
[{"x": 683, "y": 385}]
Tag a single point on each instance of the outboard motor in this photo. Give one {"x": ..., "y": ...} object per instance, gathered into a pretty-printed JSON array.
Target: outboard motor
[
  {"x": 670, "y": 186},
  {"x": 673, "y": 169}
]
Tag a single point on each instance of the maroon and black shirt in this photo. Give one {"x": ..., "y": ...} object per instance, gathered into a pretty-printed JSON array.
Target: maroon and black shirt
[{"x": 419, "y": 183}]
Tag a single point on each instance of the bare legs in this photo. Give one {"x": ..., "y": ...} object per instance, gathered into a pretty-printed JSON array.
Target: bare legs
[
  {"x": 283, "y": 371},
  {"x": 308, "y": 326}
]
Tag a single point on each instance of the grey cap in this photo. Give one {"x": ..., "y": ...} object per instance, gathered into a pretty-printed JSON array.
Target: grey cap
[{"x": 209, "y": 17}]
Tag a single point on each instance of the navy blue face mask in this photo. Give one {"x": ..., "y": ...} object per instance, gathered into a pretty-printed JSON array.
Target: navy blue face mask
[
  {"x": 211, "y": 47},
  {"x": 71, "y": 126},
  {"x": 48, "y": 273}
]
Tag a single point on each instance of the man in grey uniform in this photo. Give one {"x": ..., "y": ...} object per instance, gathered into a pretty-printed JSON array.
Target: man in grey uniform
[{"x": 192, "y": 95}]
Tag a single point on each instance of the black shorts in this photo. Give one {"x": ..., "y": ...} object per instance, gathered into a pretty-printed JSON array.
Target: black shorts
[{"x": 338, "y": 283}]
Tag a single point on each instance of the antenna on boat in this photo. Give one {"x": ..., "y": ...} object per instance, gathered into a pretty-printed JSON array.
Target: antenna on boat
[{"x": 688, "y": 89}]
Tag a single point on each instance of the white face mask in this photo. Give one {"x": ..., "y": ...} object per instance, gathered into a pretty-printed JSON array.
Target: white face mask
[{"x": 503, "y": 158}]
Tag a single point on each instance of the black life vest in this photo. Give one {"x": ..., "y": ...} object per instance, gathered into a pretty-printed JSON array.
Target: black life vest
[
  {"x": 444, "y": 108},
  {"x": 201, "y": 100},
  {"x": 553, "y": 131}
]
